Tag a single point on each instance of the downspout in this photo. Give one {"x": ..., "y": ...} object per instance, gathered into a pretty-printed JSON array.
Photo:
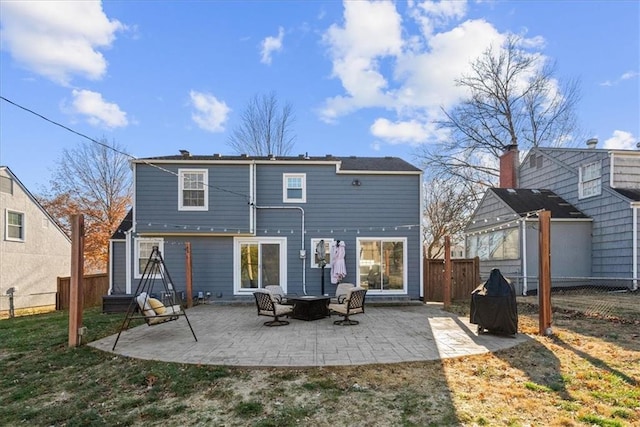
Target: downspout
[
  {"x": 524, "y": 257},
  {"x": 304, "y": 282},
  {"x": 129, "y": 260},
  {"x": 252, "y": 197},
  {"x": 635, "y": 248}
]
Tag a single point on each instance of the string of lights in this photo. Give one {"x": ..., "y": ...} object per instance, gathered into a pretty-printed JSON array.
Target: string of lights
[
  {"x": 161, "y": 228},
  {"x": 502, "y": 222}
]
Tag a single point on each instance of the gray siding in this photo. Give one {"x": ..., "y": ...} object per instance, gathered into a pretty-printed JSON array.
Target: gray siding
[
  {"x": 611, "y": 213},
  {"x": 118, "y": 261},
  {"x": 626, "y": 172},
  {"x": 335, "y": 208},
  {"x": 383, "y": 206},
  {"x": 156, "y": 200}
]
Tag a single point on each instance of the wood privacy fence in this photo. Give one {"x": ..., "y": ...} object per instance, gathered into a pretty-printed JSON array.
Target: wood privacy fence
[
  {"x": 94, "y": 287},
  {"x": 465, "y": 277}
]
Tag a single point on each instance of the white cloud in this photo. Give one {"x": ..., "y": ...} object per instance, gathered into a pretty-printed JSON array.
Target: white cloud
[
  {"x": 384, "y": 60},
  {"x": 357, "y": 49},
  {"x": 621, "y": 140},
  {"x": 410, "y": 131},
  {"x": 434, "y": 14},
  {"x": 270, "y": 45},
  {"x": 629, "y": 75},
  {"x": 210, "y": 114},
  {"x": 58, "y": 39},
  {"x": 625, "y": 76},
  {"x": 98, "y": 111}
]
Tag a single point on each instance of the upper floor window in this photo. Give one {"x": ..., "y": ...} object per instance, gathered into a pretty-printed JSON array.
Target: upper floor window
[
  {"x": 193, "y": 194},
  {"x": 14, "y": 226},
  {"x": 590, "y": 181},
  {"x": 294, "y": 187}
]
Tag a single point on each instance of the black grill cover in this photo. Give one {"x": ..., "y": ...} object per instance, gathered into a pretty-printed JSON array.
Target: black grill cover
[{"x": 493, "y": 305}]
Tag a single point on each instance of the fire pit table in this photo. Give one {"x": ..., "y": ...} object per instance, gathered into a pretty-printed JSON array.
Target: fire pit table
[{"x": 309, "y": 307}]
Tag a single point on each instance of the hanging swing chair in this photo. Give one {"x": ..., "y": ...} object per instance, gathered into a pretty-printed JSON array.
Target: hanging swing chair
[{"x": 150, "y": 309}]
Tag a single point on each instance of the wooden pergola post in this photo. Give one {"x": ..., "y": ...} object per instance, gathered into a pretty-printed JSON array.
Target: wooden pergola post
[
  {"x": 189, "y": 284},
  {"x": 447, "y": 272},
  {"x": 77, "y": 276},
  {"x": 544, "y": 273}
]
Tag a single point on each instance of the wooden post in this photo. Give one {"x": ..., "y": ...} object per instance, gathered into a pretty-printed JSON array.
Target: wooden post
[
  {"x": 77, "y": 276},
  {"x": 189, "y": 285},
  {"x": 447, "y": 272},
  {"x": 544, "y": 273}
]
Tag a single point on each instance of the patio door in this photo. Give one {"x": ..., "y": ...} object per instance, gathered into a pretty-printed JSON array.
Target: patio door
[{"x": 259, "y": 263}]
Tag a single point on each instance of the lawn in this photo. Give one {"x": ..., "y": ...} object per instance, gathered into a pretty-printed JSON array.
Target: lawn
[{"x": 586, "y": 374}]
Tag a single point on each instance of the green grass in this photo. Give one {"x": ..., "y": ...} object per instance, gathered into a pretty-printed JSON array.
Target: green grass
[{"x": 43, "y": 382}]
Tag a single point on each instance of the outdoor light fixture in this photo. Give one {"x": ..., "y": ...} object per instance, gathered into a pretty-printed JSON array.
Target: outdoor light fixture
[{"x": 356, "y": 183}]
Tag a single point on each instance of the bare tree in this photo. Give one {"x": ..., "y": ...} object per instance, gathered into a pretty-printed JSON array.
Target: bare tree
[
  {"x": 513, "y": 99},
  {"x": 265, "y": 128},
  {"x": 94, "y": 180},
  {"x": 447, "y": 206}
]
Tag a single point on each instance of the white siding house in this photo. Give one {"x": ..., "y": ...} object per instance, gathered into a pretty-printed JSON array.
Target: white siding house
[{"x": 34, "y": 251}]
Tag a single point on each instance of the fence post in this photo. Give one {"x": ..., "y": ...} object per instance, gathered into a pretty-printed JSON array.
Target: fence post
[
  {"x": 189, "y": 284},
  {"x": 77, "y": 272},
  {"x": 447, "y": 272},
  {"x": 544, "y": 273}
]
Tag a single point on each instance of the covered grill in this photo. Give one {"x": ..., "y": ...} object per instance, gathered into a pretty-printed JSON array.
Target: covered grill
[{"x": 493, "y": 305}]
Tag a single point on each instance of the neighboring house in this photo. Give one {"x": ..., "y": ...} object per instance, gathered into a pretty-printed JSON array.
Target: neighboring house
[
  {"x": 257, "y": 221},
  {"x": 594, "y": 197},
  {"x": 34, "y": 251}
]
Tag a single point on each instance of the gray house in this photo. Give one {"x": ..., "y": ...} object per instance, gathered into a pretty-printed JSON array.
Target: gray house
[
  {"x": 258, "y": 221},
  {"x": 594, "y": 197}
]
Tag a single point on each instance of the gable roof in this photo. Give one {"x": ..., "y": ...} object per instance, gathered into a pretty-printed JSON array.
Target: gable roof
[
  {"x": 35, "y": 201},
  {"x": 523, "y": 201},
  {"x": 125, "y": 225},
  {"x": 349, "y": 163}
]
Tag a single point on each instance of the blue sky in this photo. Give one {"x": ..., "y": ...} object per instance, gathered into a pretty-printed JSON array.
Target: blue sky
[{"x": 364, "y": 79}]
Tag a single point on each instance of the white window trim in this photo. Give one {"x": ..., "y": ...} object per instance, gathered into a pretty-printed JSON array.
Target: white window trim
[
  {"x": 136, "y": 268},
  {"x": 6, "y": 226},
  {"x": 314, "y": 243},
  {"x": 237, "y": 271},
  {"x": 181, "y": 207},
  {"x": 285, "y": 197},
  {"x": 581, "y": 182},
  {"x": 405, "y": 258}
]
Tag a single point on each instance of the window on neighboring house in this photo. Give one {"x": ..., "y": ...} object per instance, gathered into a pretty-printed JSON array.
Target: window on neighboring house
[
  {"x": 590, "y": 182},
  {"x": 194, "y": 190},
  {"x": 294, "y": 187},
  {"x": 14, "y": 226},
  {"x": 494, "y": 245},
  {"x": 6, "y": 184},
  {"x": 144, "y": 248}
]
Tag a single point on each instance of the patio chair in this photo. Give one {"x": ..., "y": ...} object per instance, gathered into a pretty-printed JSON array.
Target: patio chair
[
  {"x": 277, "y": 293},
  {"x": 341, "y": 292},
  {"x": 352, "y": 304},
  {"x": 268, "y": 307}
]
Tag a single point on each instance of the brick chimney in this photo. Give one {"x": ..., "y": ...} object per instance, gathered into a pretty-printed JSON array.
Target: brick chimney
[{"x": 509, "y": 167}]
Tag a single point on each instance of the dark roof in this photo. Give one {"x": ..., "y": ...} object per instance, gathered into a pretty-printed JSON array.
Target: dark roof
[
  {"x": 124, "y": 226},
  {"x": 630, "y": 193},
  {"x": 350, "y": 163},
  {"x": 525, "y": 200}
]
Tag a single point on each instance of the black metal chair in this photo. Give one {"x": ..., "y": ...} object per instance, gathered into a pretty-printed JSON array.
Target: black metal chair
[
  {"x": 352, "y": 304},
  {"x": 267, "y": 307}
]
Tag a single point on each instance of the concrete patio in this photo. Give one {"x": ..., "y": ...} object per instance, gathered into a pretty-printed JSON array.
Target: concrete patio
[{"x": 235, "y": 335}]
